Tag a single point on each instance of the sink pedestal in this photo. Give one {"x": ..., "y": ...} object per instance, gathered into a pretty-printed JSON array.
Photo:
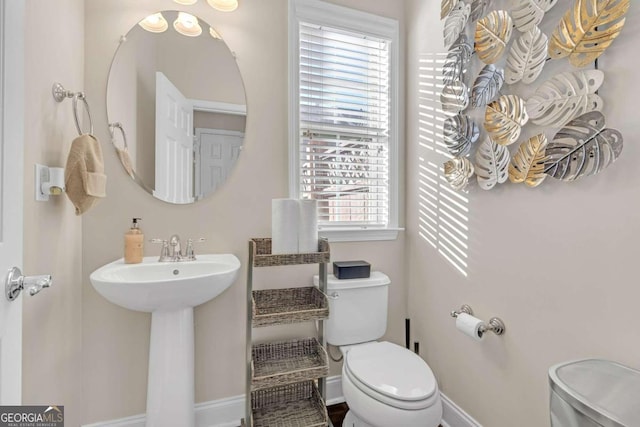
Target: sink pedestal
[{"x": 170, "y": 390}]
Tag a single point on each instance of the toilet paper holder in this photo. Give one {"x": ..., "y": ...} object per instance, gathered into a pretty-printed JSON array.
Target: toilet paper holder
[{"x": 495, "y": 325}]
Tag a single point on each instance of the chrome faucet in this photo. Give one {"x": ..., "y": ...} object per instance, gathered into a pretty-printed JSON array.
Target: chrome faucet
[
  {"x": 176, "y": 250},
  {"x": 172, "y": 250}
]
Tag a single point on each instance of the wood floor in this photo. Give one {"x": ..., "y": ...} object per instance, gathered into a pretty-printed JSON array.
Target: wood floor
[{"x": 337, "y": 413}]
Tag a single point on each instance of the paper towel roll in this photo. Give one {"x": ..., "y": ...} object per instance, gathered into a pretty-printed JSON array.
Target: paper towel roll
[
  {"x": 284, "y": 226},
  {"x": 470, "y": 326},
  {"x": 308, "y": 226}
]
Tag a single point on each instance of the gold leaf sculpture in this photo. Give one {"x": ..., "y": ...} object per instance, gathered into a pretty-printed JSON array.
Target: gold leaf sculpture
[
  {"x": 504, "y": 119},
  {"x": 527, "y": 165},
  {"x": 587, "y": 29},
  {"x": 492, "y": 35},
  {"x": 446, "y": 7},
  {"x": 457, "y": 172}
]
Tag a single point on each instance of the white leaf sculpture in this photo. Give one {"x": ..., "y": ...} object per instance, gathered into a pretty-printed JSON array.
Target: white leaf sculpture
[
  {"x": 446, "y": 6},
  {"x": 529, "y": 13},
  {"x": 487, "y": 85},
  {"x": 454, "y": 97},
  {"x": 492, "y": 164},
  {"x": 527, "y": 57},
  {"x": 478, "y": 9},
  {"x": 455, "y": 23},
  {"x": 457, "y": 172},
  {"x": 564, "y": 97}
]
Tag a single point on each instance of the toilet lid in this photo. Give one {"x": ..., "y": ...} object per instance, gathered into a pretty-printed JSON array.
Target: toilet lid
[{"x": 392, "y": 371}]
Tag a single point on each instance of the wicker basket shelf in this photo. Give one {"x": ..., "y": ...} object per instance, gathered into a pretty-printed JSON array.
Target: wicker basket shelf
[
  {"x": 262, "y": 256},
  {"x": 278, "y": 363},
  {"x": 291, "y": 305},
  {"x": 291, "y": 405}
]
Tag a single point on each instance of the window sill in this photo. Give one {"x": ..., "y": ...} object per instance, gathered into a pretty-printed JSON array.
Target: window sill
[{"x": 359, "y": 234}]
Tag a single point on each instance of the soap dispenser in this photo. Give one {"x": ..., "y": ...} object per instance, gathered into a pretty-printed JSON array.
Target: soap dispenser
[{"x": 134, "y": 243}]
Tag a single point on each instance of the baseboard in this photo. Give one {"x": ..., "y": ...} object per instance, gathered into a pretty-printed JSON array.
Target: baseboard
[
  {"x": 228, "y": 412},
  {"x": 223, "y": 412},
  {"x": 454, "y": 416}
]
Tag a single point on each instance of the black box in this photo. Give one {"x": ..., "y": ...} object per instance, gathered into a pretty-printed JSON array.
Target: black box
[{"x": 351, "y": 269}]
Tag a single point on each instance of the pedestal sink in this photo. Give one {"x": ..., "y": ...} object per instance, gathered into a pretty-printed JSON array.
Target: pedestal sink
[{"x": 169, "y": 291}]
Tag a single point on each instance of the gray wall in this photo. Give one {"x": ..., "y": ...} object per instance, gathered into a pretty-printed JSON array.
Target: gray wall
[
  {"x": 557, "y": 263},
  {"x": 52, "y": 323},
  {"x": 115, "y": 341}
]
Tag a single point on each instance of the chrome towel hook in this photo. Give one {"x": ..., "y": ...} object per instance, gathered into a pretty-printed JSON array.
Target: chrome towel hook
[{"x": 60, "y": 93}]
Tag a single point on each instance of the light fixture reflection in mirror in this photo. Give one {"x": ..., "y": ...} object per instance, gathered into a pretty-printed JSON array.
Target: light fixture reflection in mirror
[
  {"x": 154, "y": 23},
  {"x": 224, "y": 5},
  {"x": 180, "y": 102},
  {"x": 187, "y": 25}
]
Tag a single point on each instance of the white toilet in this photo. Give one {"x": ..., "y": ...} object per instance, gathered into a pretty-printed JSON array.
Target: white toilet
[{"x": 384, "y": 384}]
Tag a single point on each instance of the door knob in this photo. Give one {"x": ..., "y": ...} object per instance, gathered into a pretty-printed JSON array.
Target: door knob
[{"x": 16, "y": 282}]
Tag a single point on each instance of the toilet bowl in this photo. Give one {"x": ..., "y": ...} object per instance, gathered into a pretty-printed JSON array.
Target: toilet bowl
[
  {"x": 387, "y": 385},
  {"x": 384, "y": 384}
]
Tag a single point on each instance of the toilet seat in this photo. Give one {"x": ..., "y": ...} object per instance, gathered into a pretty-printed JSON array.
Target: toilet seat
[{"x": 392, "y": 375}]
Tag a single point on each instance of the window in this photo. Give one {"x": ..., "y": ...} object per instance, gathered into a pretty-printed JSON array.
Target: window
[{"x": 344, "y": 119}]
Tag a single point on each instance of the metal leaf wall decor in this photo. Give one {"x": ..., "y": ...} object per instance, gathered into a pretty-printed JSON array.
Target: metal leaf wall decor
[
  {"x": 478, "y": 9},
  {"x": 504, "y": 119},
  {"x": 529, "y": 13},
  {"x": 492, "y": 35},
  {"x": 564, "y": 97},
  {"x": 492, "y": 164},
  {"x": 455, "y": 66},
  {"x": 457, "y": 172},
  {"x": 454, "y": 97},
  {"x": 463, "y": 46},
  {"x": 446, "y": 6},
  {"x": 583, "y": 148},
  {"x": 527, "y": 165},
  {"x": 455, "y": 23},
  {"x": 587, "y": 29},
  {"x": 459, "y": 133},
  {"x": 487, "y": 85},
  {"x": 527, "y": 57}
]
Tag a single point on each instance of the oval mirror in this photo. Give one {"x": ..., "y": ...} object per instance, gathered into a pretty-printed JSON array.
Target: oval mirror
[{"x": 176, "y": 107}]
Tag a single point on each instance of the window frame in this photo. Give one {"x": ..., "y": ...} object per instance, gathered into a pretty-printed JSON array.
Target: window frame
[{"x": 340, "y": 17}]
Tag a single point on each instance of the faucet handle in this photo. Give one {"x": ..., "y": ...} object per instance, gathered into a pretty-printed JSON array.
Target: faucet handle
[
  {"x": 164, "y": 253},
  {"x": 190, "y": 254}
]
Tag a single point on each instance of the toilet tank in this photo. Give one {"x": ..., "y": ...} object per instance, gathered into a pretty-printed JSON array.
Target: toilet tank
[
  {"x": 594, "y": 393},
  {"x": 357, "y": 309}
]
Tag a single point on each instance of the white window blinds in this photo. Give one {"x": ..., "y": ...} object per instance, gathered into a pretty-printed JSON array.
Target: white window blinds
[{"x": 344, "y": 99}]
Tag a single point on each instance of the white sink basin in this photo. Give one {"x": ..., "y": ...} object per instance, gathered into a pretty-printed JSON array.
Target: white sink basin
[
  {"x": 169, "y": 290},
  {"x": 167, "y": 286}
]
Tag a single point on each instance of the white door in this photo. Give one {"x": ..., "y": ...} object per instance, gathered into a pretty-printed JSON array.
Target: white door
[
  {"x": 174, "y": 143},
  {"x": 11, "y": 149},
  {"x": 218, "y": 151}
]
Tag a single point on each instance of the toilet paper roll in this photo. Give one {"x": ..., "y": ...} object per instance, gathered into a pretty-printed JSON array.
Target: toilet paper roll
[
  {"x": 284, "y": 226},
  {"x": 308, "y": 226},
  {"x": 470, "y": 326}
]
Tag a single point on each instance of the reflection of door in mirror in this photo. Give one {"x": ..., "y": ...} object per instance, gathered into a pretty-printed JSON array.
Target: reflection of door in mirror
[
  {"x": 217, "y": 152},
  {"x": 174, "y": 143}
]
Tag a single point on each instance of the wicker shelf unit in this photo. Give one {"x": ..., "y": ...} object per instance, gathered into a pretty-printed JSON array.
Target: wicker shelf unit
[{"x": 286, "y": 379}]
